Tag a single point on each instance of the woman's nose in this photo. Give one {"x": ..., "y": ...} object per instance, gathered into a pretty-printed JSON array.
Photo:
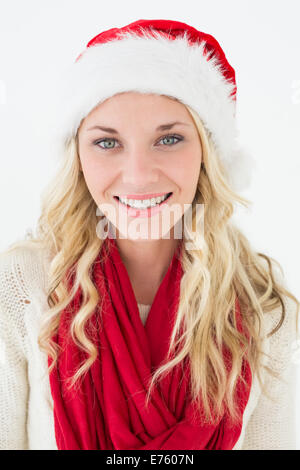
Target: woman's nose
[{"x": 139, "y": 169}]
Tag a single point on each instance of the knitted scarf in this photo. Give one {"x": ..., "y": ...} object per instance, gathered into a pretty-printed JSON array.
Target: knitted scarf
[{"x": 107, "y": 409}]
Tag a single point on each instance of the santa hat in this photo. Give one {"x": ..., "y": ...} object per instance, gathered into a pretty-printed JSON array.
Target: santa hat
[{"x": 163, "y": 57}]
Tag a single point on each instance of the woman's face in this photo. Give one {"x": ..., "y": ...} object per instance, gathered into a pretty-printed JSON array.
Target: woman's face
[{"x": 140, "y": 155}]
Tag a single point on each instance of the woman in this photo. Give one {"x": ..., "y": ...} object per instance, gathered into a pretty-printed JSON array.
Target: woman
[{"x": 116, "y": 332}]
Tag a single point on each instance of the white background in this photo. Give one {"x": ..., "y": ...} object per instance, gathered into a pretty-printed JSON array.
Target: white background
[{"x": 261, "y": 39}]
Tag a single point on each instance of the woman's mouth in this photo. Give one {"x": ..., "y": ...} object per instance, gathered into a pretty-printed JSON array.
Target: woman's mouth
[
  {"x": 143, "y": 208},
  {"x": 143, "y": 204}
]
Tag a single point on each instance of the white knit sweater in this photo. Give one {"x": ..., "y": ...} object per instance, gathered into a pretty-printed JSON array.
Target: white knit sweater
[{"x": 26, "y": 415}]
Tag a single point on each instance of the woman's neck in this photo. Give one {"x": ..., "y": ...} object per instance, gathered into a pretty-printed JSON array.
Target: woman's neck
[{"x": 146, "y": 263}]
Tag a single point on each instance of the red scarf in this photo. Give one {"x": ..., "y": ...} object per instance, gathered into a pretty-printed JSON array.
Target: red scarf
[{"x": 106, "y": 411}]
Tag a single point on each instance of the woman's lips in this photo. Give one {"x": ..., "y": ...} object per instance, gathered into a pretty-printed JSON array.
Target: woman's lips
[
  {"x": 143, "y": 212},
  {"x": 142, "y": 196}
]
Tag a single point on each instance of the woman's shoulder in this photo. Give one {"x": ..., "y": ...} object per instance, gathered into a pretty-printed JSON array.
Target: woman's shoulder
[
  {"x": 281, "y": 331},
  {"x": 23, "y": 268},
  {"x": 23, "y": 280},
  {"x": 271, "y": 417},
  {"x": 23, "y": 285}
]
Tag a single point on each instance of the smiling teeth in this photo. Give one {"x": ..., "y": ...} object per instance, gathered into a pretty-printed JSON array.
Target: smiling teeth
[{"x": 143, "y": 203}]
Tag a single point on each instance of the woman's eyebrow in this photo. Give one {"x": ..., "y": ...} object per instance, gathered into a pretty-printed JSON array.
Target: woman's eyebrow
[{"x": 162, "y": 127}]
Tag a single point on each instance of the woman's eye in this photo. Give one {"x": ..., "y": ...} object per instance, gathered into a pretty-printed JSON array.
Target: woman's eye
[
  {"x": 170, "y": 137},
  {"x": 105, "y": 141},
  {"x": 166, "y": 138}
]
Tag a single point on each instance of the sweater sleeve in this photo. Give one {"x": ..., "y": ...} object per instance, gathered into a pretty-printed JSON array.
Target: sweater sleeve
[
  {"x": 13, "y": 363},
  {"x": 272, "y": 425}
]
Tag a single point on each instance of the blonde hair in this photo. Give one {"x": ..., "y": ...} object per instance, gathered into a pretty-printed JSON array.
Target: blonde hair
[{"x": 226, "y": 267}]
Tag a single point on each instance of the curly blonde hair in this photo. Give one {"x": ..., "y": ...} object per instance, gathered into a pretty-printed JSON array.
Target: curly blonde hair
[{"x": 224, "y": 268}]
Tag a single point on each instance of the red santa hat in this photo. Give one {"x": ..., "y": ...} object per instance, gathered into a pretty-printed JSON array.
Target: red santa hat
[{"x": 164, "y": 57}]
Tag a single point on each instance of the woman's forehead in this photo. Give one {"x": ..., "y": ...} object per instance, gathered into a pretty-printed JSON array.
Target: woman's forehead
[{"x": 128, "y": 105}]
